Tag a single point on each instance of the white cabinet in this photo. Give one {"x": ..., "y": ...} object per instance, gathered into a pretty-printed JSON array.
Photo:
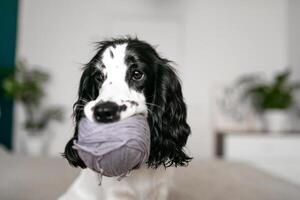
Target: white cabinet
[{"x": 278, "y": 154}]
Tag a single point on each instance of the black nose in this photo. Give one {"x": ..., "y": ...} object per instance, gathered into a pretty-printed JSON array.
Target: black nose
[{"x": 106, "y": 112}]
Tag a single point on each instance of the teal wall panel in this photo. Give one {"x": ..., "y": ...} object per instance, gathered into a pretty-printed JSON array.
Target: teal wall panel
[{"x": 8, "y": 30}]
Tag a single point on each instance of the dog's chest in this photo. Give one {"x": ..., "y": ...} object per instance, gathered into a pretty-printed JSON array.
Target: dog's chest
[{"x": 142, "y": 184}]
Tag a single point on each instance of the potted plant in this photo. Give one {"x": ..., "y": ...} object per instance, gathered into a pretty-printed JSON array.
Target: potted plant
[
  {"x": 272, "y": 99},
  {"x": 27, "y": 87}
]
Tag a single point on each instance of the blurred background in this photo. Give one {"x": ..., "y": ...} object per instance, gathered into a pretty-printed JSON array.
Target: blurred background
[{"x": 239, "y": 62}]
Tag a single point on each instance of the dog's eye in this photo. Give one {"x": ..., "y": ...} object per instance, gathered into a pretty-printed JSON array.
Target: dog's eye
[
  {"x": 99, "y": 77},
  {"x": 137, "y": 75}
]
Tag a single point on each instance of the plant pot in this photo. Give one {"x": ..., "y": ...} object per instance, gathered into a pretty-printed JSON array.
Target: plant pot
[
  {"x": 276, "y": 120},
  {"x": 36, "y": 144}
]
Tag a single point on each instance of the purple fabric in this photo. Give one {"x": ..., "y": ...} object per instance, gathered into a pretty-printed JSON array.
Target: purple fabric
[{"x": 114, "y": 149}]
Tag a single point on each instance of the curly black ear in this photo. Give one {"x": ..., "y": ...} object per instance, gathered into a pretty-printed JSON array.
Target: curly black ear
[
  {"x": 71, "y": 154},
  {"x": 167, "y": 120},
  {"x": 88, "y": 90}
]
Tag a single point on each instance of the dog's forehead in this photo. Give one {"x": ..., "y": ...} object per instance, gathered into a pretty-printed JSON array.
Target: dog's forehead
[{"x": 114, "y": 56}]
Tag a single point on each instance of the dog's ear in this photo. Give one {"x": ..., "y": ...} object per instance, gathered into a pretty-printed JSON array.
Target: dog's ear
[
  {"x": 88, "y": 90},
  {"x": 71, "y": 154},
  {"x": 167, "y": 120}
]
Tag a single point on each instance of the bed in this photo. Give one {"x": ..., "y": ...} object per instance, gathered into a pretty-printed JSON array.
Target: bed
[{"x": 33, "y": 178}]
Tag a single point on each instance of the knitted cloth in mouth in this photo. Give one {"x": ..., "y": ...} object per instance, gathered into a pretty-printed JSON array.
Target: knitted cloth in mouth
[{"x": 114, "y": 149}]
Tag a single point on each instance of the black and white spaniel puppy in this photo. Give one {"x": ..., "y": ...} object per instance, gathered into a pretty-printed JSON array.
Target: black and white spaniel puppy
[{"x": 127, "y": 77}]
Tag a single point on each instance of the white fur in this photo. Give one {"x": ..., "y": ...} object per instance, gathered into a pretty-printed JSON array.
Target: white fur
[
  {"x": 115, "y": 88},
  {"x": 141, "y": 184}
]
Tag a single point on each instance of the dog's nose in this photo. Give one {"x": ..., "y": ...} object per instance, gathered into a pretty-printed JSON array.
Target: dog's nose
[{"x": 106, "y": 112}]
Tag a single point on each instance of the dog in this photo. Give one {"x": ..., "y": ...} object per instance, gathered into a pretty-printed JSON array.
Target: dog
[{"x": 126, "y": 77}]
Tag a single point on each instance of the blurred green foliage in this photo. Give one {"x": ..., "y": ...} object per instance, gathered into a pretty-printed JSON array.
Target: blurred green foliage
[
  {"x": 27, "y": 86},
  {"x": 277, "y": 94}
]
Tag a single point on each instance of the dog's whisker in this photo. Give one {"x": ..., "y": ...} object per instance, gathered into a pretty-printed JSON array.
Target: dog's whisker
[
  {"x": 90, "y": 97},
  {"x": 80, "y": 106},
  {"x": 151, "y": 113},
  {"x": 84, "y": 100},
  {"x": 151, "y": 104}
]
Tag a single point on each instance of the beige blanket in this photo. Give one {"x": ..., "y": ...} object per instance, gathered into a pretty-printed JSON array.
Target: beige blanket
[{"x": 25, "y": 178}]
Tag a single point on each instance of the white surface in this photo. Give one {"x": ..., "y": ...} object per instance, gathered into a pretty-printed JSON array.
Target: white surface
[
  {"x": 212, "y": 41},
  {"x": 276, "y": 154}
]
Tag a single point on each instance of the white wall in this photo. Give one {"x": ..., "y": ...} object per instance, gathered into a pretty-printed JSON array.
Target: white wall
[
  {"x": 226, "y": 39},
  {"x": 294, "y": 35},
  {"x": 212, "y": 41}
]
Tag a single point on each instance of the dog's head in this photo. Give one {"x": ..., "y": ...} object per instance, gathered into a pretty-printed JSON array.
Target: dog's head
[{"x": 127, "y": 77}]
